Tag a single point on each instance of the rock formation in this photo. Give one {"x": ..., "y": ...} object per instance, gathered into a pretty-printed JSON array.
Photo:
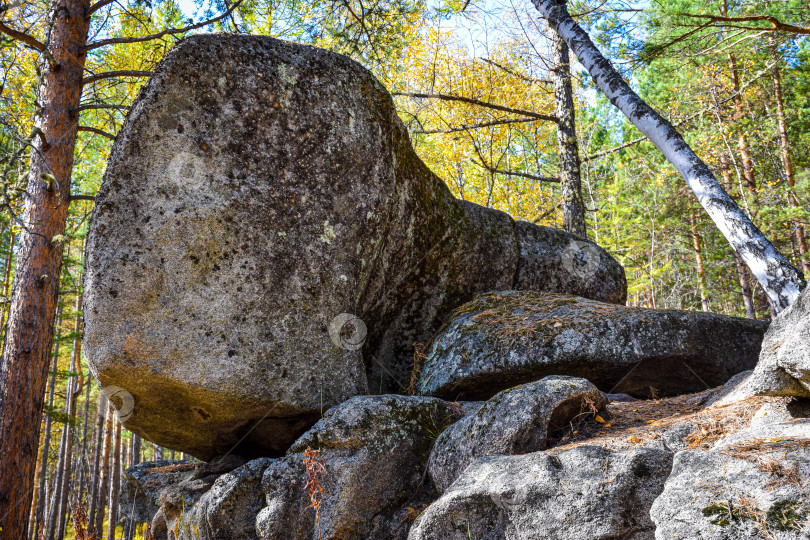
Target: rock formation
[
  {"x": 784, "y": 366},
  {"x": 267, "y": 248},
  {"x": 503, "y": 339},
  {"x": 267, "y": 244},
  {"x": 516, "y": 421}
]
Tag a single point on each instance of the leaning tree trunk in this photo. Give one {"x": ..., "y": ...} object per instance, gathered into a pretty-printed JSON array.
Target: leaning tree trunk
[
  {"x": 573, "y": 208},
  {"x": 29, "y": 334},
  {"x": 778, "y": 277},
  {"x": 742, "y": 272}
]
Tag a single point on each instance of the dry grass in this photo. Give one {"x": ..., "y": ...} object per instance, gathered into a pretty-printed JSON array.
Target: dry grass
[
  {"x": 315, "y": 472},
  {"x": 629, "y": 424}
]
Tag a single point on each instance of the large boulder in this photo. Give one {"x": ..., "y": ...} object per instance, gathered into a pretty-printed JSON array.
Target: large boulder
[
  {"x": 266, "y": 242},
  {"x": 751, "y": 484},
  {"x": 580, "y": 494},
  {"x": 373, "y": 450},
  {"x": 502, "y": 339},
  {"x": 784, "y": 364},
  {"x": 516, "y": 421}
]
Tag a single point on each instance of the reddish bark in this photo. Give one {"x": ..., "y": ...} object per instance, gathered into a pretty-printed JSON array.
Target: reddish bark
[{"x": 29, "y": 335}]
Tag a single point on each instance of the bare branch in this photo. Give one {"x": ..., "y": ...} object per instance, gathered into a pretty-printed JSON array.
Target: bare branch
[
  {"x": 483, "y": 165},
  {"x": 474, "y": 126},
  {"x": 603, "y": 153},
  {"x": 515, "y": 73},
  {"x": 22, "y": 36},
  {"x": 111, "y": 74},
  {"x": 82, "y": 198},
  {"x": 167, "y": 32},
  {"x": 478, "y": 102},
  {"x": 92, "y": 106},
  {"x": 89, "y": 129}
]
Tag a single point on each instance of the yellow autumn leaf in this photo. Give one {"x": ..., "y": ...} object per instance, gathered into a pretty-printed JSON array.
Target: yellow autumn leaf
[{"x": 599, "y": 419}]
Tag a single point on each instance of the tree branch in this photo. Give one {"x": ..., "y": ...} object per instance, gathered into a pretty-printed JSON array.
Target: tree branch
[
  {"x": 167, "y": 32},
  {"x": 89, "y": 129},
  {"x": 515, "y": 73},
  {"x": 98, "y": 5},
  {"x": 82, "y": 198},
  {"x": 92, "y": 106},
  {"x": 111, "y": 74},
  {"x": 22, "y": 36},
  {"x": 776, "y": 24},
  {"x": 475, "y": 126},
  {"x": 483, "y": 165},
  {"x": 478, "y": 102}
]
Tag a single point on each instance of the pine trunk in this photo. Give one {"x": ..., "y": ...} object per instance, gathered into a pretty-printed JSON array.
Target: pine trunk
[
  {"x": 29, "y": 336},
  {"x": 95, "y": 491},
  {"x": 73, "y": 392},
  {"x": 778, "y": 277},
  {"x": 784, "y": 147},
  {"x": 41, "y": 490},
  {"x": 742, "y": 140},
  {"x": 573, "y": 207},
  {"x": 701, "y": 270},
  {"x": 104, "y": 480},
  {"x": 115, "y": 480},
  {"x": 7, "y": 278}
]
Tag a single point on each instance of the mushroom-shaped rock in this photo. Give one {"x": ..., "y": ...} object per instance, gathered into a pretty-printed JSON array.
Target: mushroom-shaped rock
[{"x": 266, "y": 241}]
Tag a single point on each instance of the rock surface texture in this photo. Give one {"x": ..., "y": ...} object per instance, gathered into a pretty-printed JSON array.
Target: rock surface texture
[
  {"x": 265, "y": 239},
  {"x": 142, "y": 484},
  {"x": 516, "y": 421},
  {"x": 506, "y": 338},
  {"x": 374, "y": 451},
  {"x": 752, "y": 484},
  {"x": 784, "y": 364},
  {"x": 585, "y": 493}
]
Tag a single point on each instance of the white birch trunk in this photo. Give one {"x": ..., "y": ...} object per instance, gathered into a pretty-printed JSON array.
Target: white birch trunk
[{"x": 778, "y": 277}]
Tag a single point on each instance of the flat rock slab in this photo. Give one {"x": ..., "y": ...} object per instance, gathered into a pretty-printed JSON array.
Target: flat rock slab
[
  {"x": 502, "y": 339},
  {"x": 516, "y": 421},
  {"x": 266, "y": 241}
]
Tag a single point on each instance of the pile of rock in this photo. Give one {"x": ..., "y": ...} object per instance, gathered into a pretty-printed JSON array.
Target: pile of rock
[{"x": 266, "y": 251}]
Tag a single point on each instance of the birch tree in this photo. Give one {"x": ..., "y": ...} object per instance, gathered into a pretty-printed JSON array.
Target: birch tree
[{"x": 780, "y": 280}]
